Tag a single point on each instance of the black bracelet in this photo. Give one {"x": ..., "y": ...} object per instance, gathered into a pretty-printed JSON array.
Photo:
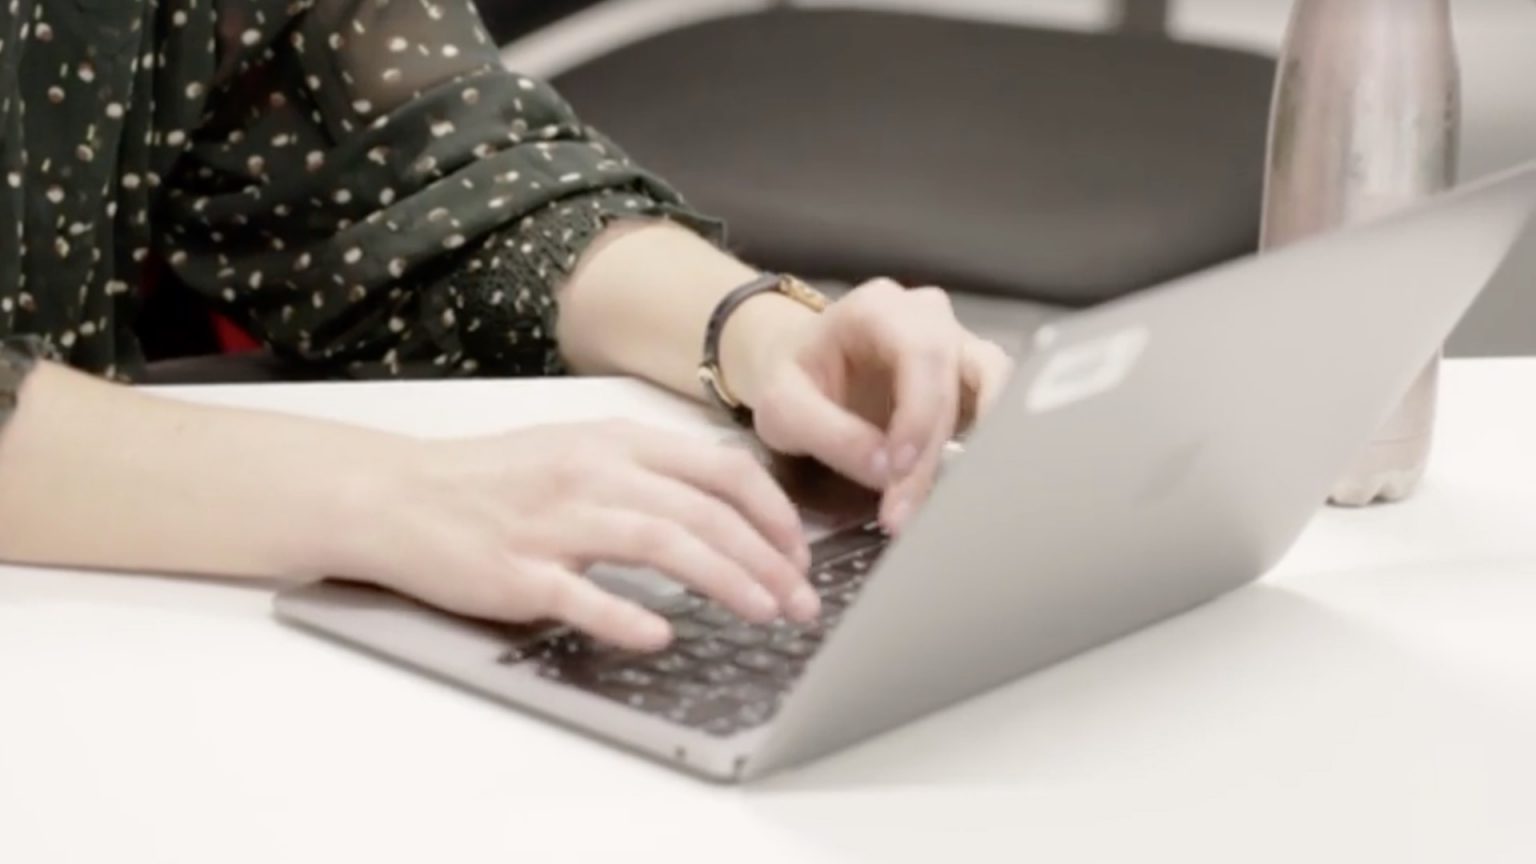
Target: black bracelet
[
  {"x": 716, "y": 389},
  {"x": 710, "y": 375}
]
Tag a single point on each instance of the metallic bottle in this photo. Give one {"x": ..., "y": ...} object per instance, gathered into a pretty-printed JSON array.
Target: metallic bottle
[{"x": 1365, "y": 119}]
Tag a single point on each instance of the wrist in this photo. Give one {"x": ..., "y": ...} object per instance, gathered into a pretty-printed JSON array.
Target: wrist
[
  {"x": 361, "y": 508},
  {"x": 763, "y": 333}
]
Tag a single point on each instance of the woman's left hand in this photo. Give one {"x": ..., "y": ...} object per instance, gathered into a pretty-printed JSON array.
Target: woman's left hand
[{"x": 875, "y": 387}]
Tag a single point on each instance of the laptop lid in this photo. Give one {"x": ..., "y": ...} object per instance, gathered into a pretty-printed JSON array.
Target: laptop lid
[{"x": 1152, "y": 454}]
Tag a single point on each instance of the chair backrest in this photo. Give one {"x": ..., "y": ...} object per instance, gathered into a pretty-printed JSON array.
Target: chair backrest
[
  {"x": 1144, "y": 17},
  {"x": 1141, "y": 17},
  {"x": 507, "y": 20}
]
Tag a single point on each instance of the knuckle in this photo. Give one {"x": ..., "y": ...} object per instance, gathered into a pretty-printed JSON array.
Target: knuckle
[
  {"x": 572, "y": 467},
  {"x": 710, "y": 520},
  {"x": 875, "y": 292},
  {"x": 937, "y": 298},
  {"x": 655, "y": 539},
  {"x": 934, "y": 351},
  {"x": 525, "y": 597}
]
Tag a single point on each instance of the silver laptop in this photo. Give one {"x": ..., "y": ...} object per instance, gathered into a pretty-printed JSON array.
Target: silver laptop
[{"x": 1150, "y": 455}]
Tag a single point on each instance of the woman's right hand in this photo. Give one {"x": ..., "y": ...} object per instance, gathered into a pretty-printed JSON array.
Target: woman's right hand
[{"x": 504, "y": 527}]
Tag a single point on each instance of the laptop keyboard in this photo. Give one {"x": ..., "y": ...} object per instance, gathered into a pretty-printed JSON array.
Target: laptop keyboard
[{"x": 721, "y": 674}]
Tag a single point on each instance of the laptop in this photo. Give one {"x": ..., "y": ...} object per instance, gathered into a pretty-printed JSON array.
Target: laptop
[{"x": 1149, "y": 455}]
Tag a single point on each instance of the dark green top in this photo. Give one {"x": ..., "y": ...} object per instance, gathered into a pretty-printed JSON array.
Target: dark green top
[{"x": 359, "y": 182}]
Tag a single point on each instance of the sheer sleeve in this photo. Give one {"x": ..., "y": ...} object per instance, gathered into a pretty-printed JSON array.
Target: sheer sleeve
[{"x": 370, "y": 189}]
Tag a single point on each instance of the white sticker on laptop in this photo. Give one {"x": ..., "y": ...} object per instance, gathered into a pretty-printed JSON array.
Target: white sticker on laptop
[{"x": 1082, "y": 371}]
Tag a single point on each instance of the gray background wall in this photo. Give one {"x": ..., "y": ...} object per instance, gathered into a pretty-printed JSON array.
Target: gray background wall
[{"x": 1496, "y": 39}]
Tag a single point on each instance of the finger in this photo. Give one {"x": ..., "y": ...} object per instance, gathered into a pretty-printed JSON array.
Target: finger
[
  {"x": 725, "y": 529},
  {"x": 734, "y": 477},
  {"x": 927, "y": 413},
  {"x": 985, "y": 369},
  {"x": 915, "y": 334},
  {"x": 638, "y": 539},
  {"x": 574, "y": 600},
  {"x": 797, "y": 419},
  {"x": 905, "y": 495},
  {"x": 902, "y": 499},
  {"x": 927, "y": 406}
]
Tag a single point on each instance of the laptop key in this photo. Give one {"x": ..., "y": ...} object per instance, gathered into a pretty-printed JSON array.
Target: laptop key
[
  {"x": 686, "y": 688},
  {"x": 709, "y": 649},
  {"x": 755, "y": 713},
  {"x": 744, "y": 635},
  {"x": 715, "y": 615},
  {"x": 794, "y": 645},
  {"x": 715, "y": 707},
  {"x": 827, "y": 578},
  {"x": 758, "y": 660},
  {"x": 841, "y": 597},
  {"x": 721, "y": 726},
  {"x": 678, "y": 605},
  {"x": 625, "y": 676},
  {"x": 689, "y": 630},
  {"x": 652, "y": 702},
  {"x": 671, "y": 663},
  {"x": 753, "y": 692},
  {"x": 852, "y": 541},
  {"x": 720, "y": 673}
]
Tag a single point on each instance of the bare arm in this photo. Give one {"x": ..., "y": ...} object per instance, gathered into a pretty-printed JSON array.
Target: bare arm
[
  {"x": 639, "y": 302},
  {"x": 93, "y": 474},
  {"x": 97, "y": 475}
]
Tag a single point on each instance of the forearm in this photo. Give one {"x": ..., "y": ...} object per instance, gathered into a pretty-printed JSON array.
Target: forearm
[
  {"x": 97, "y": 475},
  {"x": 639, "y": 302}
]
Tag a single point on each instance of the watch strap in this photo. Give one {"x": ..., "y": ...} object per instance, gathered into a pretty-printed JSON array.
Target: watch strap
[{"x": 716, "y": 389}]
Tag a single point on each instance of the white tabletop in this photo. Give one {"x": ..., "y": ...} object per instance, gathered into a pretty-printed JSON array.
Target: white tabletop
[{"x": 1372, "y": 700}]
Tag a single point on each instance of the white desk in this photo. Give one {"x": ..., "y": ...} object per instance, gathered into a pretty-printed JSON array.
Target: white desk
[{"x": 1373, "y": 701}]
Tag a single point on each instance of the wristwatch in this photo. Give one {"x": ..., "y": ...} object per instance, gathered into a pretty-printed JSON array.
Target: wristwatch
[{"x": 716, "y": 390}]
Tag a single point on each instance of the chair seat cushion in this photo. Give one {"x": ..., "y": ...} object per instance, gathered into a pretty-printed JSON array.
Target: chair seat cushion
[{"x": 1060, "y": 167}]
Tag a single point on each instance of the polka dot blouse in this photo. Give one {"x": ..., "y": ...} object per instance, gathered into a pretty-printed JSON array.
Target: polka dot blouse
[{"x": 360, "y": 183}]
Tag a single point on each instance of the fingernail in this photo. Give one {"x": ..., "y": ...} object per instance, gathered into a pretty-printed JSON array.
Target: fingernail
[
  {"x": 762, "y": 603},
  {"x": 804, "y": 604},
  {"x": 802, "y": 558},
  {"x": 896, "y": 515},
  {"x": 654, "y": 631},
  {"x": 880, "y": 466},
  {"x": 906, "y": 457}
]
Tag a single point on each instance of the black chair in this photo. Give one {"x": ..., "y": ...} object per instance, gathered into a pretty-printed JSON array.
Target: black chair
[
  {"x": 508, "y": 19},
  {"x": 1030, "y": 169},
  {"x": 1026, "y": 169}
]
